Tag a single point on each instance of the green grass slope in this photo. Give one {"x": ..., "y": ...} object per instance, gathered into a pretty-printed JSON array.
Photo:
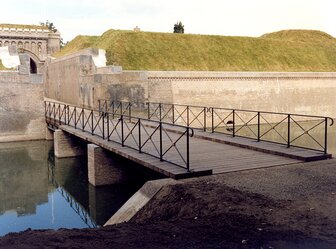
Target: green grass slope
[{"x": 290, "y": 50}]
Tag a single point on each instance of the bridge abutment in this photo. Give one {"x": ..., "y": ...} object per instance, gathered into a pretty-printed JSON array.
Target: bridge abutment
[
  {"x": 104, "y": 168},
  {"x": 66, "y": 145}
]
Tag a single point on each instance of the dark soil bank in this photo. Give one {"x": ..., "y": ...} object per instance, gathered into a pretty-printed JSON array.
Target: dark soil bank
[{"x": 281, "y": 207}]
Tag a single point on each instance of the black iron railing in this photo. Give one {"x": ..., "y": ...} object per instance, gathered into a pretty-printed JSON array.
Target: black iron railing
[
  {"x": 292, "y": 130},
  {"x": 115, "y": 107},
  {"x": 146, "y": 136},
  {"x": 303, "y": 131}
]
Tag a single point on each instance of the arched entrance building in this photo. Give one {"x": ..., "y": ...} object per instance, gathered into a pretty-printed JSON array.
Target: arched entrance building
[{"x": 37, "y": 42}]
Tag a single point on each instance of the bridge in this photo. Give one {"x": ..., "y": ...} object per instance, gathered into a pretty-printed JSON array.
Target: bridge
[{"x": 183, "y": 141}]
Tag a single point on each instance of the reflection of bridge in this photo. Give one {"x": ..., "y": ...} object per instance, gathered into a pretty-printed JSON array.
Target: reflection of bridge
[
  {"x": 168, "y": 139},
  {"x": 74, "y": 204}
]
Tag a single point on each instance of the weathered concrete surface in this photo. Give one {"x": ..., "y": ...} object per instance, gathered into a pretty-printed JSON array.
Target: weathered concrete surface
[
  {"x": 49, "y": 135},
  {"x": 139, "y": 200},
  {"x": 21, "y": 107},
  {"x": 76, "y": 80},
  {"x": 66, "y": 145},
  {"x": 104, "y": 168},
  {"x": 304, "y": 93}
]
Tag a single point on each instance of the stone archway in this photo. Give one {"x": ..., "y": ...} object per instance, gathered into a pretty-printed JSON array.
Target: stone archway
[
  {"x": 33, "y": 66},
  {"x": 35, "y": 63}
]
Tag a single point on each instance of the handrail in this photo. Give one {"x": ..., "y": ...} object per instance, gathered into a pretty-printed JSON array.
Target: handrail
[{"x": 147, "y": 136}]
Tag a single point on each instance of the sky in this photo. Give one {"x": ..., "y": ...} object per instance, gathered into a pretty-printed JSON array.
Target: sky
[{"x": 213, "y": 17}]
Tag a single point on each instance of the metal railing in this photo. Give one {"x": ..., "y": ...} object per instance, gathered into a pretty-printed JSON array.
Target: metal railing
[
  {"x": 146, "y": 136},
  {"x": 191, "y": 116},
  {"x": 292, "y": 130},
  {"x": 115, "y": 107}
]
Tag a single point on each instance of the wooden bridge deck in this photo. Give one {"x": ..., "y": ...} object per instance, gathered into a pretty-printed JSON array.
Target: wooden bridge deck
[{"x": 206, "y": 157}]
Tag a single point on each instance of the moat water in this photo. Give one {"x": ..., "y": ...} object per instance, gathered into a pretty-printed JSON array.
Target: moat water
[{"x": 38, "y": 191}]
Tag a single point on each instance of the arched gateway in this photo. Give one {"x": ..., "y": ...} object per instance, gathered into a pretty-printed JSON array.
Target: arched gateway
[{"x": 37, "y": 42}]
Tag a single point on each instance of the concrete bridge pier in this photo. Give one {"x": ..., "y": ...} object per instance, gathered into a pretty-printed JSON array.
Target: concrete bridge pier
[
  {"x": 104, "y": 168},
  {"x": 66, "y": 145},
  {"x": 49, "y": 135}
]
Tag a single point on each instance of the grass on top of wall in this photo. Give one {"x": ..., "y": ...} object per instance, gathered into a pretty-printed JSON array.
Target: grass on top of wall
[
  {"x": 21, "y": 26},
  {"x": 290, "y": 50}
]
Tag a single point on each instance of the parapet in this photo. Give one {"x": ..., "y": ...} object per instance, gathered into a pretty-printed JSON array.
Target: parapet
[{"x": 20, "y": 32}]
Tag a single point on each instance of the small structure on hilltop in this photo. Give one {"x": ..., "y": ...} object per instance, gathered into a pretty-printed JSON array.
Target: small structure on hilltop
[{"x": 33, "y": 43}]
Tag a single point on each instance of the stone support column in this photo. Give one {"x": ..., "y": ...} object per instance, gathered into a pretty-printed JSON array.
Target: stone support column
[
  {"x": 104, "y": 168},
  {"x": 49, "y": 135},
  {"x": 66, "y": 145}
]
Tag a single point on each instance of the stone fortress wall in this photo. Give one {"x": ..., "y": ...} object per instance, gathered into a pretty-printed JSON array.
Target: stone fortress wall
[
  {"x": 21, "y": 107},
  {"x": 303, "y": 93},
  {"x": 77, "y": 79}
]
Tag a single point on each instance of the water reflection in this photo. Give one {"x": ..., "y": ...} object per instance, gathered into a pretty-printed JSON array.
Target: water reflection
[{"x": 40, "y": 192}]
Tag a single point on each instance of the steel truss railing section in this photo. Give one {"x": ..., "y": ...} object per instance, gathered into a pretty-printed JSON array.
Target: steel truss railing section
[
  {"x": 191, "y": 116},
  {"x": 115, "y": 107},
  {"x": 292, "y": 130},
  {"x": 146, "y": 136}
]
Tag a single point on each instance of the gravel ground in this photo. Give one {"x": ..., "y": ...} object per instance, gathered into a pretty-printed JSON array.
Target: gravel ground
[{"x": 290, "y": 206}]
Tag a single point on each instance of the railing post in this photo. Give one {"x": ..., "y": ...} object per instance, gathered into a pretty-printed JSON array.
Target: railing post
[
  {"x": 326, "y": 136},
  {"x": 288, "y": 131},
  {"x": 212, "y": 120},
  {"x": 122, "y": 130},
  {"x": 187, "y": 116},
  {"x": 91, "y": 122},
  {"x": 108, "y": 126},
  {"x": 65, "y": 114},
  {"x": 205, "y": 121},
  {"x": 258, "y": 126},
  {"x": 121, "y": 108},
  {"x": 160, "y": 112},
  {"x": 75, "y": 110},
  {"x": 234, "y": 123},
  {"x": 113, "y": 110},
  {"x": 161, "y": 156},
  {"x": 106, "y": 105},
  {"x": 173, "y": 113},
  {"x": 54, "y": 112},
  {"x": 103, "y": 125},
  {"x": 99, "y": 107},
  {"x": 139, "y": 131},
  {"x": 188, "y": 150},
  {"x": 130, "y": 111},
  {"x": 82, "y": 113},
  {"x": 148, "y": 111},
  {"x": 68, "y": 107},
  {"x": 59, "y": 114}
]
